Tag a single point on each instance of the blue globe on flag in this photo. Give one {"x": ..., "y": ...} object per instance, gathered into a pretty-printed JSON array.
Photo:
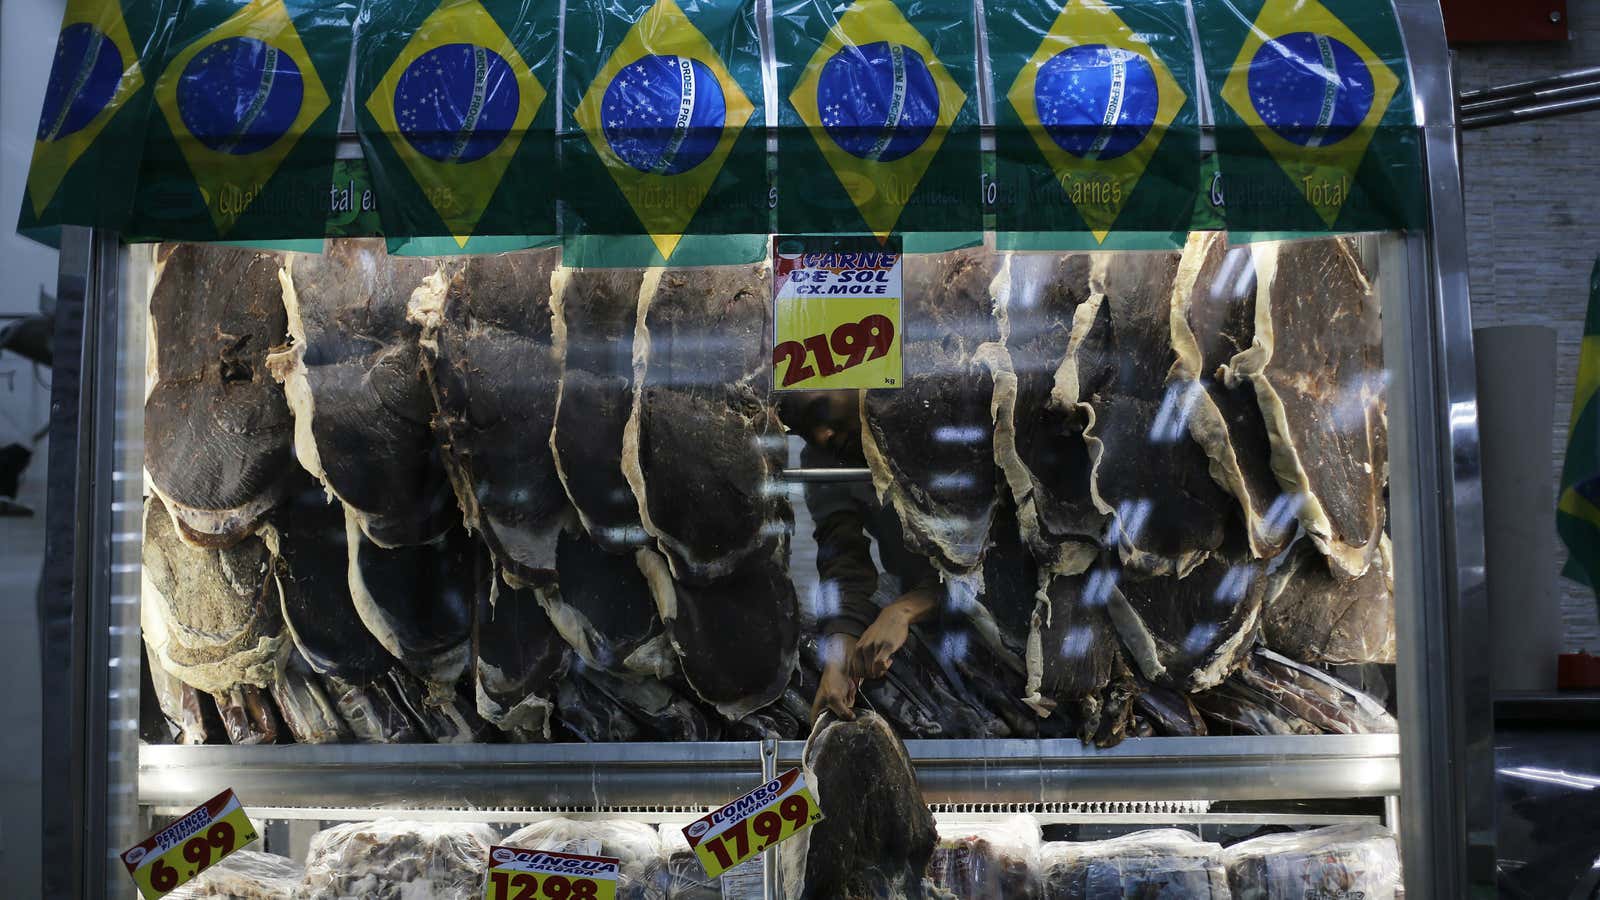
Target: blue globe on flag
[
  {"x": 457, "y": 102},
  {"x": 83, "y": 79},
  {"x": 878, "y": 101},
  {"x": 1310, "y": 88},
  {"x": 1096, "y": 102},
  {"x": 663, "y": 114},
  {"x": 240, "y": 95}
]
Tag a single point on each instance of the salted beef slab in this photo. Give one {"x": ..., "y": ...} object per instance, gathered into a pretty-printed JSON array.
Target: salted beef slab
[
  {"x": 419, "y": 602},
  {"x": 593, "y": 316},
  {"x": 1213, "y": 321},
  {"x": 703, "y": 450},
  {"x": 1314, "y": 616},
  {"x": 586, "y": 714},
  {"x": 1190, "y": 632},
  {"x": 211, "y": 617},
  {"x": 191, "y": 713},
  {"x": 930, "y": 444},
  {"x": 1074, "y": 658},
  {"x": 248, "y": 715},
  {"x": 308, "y": 713},
  {"x": 1170, "y": 713},
  {"x": 604, "y": 610},
  {"x": 1149, "y": 475},
  {"x": 1316, "y": 364},
  {"x": 737, "y": 638},
  {"x": 1354, "y": 710},
  {"x": 1237, "y": 708},
  {"x": 217, "y": 430},
  {"x": 876, "y": 836},
  {"x": 521, "y": 658},
  {"x": 1039, "y": 419},
  {"x": 354, "y": 378},
  {"x": 488, "y": 344}
]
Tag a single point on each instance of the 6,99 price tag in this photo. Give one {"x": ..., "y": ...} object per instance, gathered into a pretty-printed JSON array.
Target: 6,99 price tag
[
  {"x": 758, "y": 821},
  {"x": 176, "y": 854},
  {"x": 545, "y": 875}
]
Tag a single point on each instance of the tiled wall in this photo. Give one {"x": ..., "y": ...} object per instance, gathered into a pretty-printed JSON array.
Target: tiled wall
[{"x": 1533, "y": 225}]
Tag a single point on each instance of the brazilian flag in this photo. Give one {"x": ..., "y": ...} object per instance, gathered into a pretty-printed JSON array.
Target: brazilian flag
[
  {"x": 95, "y": 106},
  {"x": 878, "y": 117},
  {"x": 244, "y": 144},
  {"x": 455, "y": 115},
  {"x": 1578, "y": 511},
  {"x": 1314, "y": 124}
]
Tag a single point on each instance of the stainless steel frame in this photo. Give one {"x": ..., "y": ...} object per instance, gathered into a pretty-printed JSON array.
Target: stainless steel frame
[{"x": 1445, "y": 745}]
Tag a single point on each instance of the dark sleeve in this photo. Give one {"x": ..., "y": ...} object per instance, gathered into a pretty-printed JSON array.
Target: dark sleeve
[{"x": 846, "y": 573}]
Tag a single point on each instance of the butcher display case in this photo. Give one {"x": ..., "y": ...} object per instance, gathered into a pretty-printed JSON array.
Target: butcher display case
[{"x": 887, "y": 391}]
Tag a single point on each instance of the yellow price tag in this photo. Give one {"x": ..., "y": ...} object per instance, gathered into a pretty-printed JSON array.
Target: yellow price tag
[
  {"x": 516, "y": 874},
  {"x": 754, "y": 823},
  {"x": 836, "y": 313},
  {"x": 176, "y": 854}
]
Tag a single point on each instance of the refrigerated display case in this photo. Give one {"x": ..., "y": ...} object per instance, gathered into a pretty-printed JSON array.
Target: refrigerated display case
[{"x": 1384, "y": 414}]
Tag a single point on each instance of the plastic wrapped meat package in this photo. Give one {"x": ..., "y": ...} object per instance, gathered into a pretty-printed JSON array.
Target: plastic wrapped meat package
[
  {"x": 390, "y": 859},
  {"x": 245, "y": 875},
  {"x": 643, "y": 874},
  {"x": 1162, "y": 863},
  {"x": 992, "y": 859},
  {"x": 1338, "y": 861}
]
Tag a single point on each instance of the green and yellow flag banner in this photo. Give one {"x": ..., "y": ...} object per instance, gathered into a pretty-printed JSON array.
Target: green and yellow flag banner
[
  {"x": 663, "y": 121},
  {"x": 1314, "y": 124},
  {"x": 244, "y": 142},
  {"x": 1578, "y": 510},
  {"x": 456, "y": 118},
  {"x": 1097, "y": 124},
  {"x": 878, "y": 118},
  {"x": 96, "y": 104}
]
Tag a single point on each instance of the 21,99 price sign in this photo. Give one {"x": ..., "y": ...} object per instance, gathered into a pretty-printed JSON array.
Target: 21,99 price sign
[
  {"x": 516, "y": 874},
  {"x": 758, "y": 821},
  {"x": 836, "y": 313},
  {"x": 176, "y": 854}
]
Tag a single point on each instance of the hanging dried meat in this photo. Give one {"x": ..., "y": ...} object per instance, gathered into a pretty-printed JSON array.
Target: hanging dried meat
[
  {"x": 1315, "y": 695},
  {"x": 488, "y": 343},
  {"x": 593, "y": 315},
  {"x": 308, "y": 713},
  {"x": 1159, "y": 863},
  {"x": 1074, "y": 658},
  {"x": 1213, "y": 321},
  {"x": 603, "y": 608},
  {"x": 217, "y": 431},
  {"x": 354, "y": 378},
  {"x": 1315, "y": 616},
  {"x": 191, "y": 714},
  {"x": 930, "y": 444},
  {"x": 1337, "y": 861},
  {"x": 211, "y": 617},
  {"x": 1154, "y": 481},
  {"x": 248, "y": 715},
  {"x": 1039, "y": 415},
  {"x": 1316, "y": 364},
  {"x": 391, "y": 859},
  {"x": 1191, "y": 632},
  {"x": 521, "y": 658},
  {"x": 876, "y": 835}
]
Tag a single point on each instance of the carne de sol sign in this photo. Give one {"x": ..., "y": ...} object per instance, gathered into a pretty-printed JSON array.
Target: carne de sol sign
[{"x": 836, "y": 313}]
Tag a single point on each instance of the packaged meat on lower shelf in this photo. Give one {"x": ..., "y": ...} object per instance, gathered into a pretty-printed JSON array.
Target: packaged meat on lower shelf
[
  {"x": 1165, "y": 862},
  {"x": 1338, "y": 861},
  {"x": 643, "y": 874},
  {"x": 991, "y": 859},
  {"x": 245, "y": 875},
  {"x": 391, "y": 859}
]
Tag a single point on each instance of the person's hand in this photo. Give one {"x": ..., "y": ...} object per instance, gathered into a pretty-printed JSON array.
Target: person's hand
[
  {"x": 876, "y": 648},
  {"x": 837, "y": 693}
]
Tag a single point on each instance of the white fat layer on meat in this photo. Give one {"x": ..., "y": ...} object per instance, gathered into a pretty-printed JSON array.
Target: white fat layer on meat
[
  {"x": 441, "y": 670},
  {"x": 1140, "y": 644},
  {"x": 654, "y": 657},
  {"x": 659, "y": 577},
  {"x": 1251, "y": 365},
  {"x": 225, "y": 526},
  {"x": 528, "y": 718},
  {"x": 632, "y": 469}
]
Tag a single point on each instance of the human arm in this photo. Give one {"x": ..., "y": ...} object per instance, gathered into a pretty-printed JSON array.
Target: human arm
[{"x": 874, "y": 652}]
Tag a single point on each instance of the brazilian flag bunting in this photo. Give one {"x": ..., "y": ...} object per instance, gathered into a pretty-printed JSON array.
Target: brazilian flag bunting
[{"x": 95, "y": 107}]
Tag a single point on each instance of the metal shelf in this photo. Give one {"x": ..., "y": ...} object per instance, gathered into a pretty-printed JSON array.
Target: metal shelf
[{"x": 690, "y": 776}]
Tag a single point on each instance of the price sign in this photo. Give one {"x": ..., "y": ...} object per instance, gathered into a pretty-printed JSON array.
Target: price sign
[
  {"x": 516, "y": 874},
  {"x": 758, "y": 821},
  {"x": 836, "y": 313},
  {"x": 176, "y": 854}
]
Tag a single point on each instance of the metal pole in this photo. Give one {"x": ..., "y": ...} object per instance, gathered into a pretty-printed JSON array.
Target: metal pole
[{"x": 1531, "y": 113}]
